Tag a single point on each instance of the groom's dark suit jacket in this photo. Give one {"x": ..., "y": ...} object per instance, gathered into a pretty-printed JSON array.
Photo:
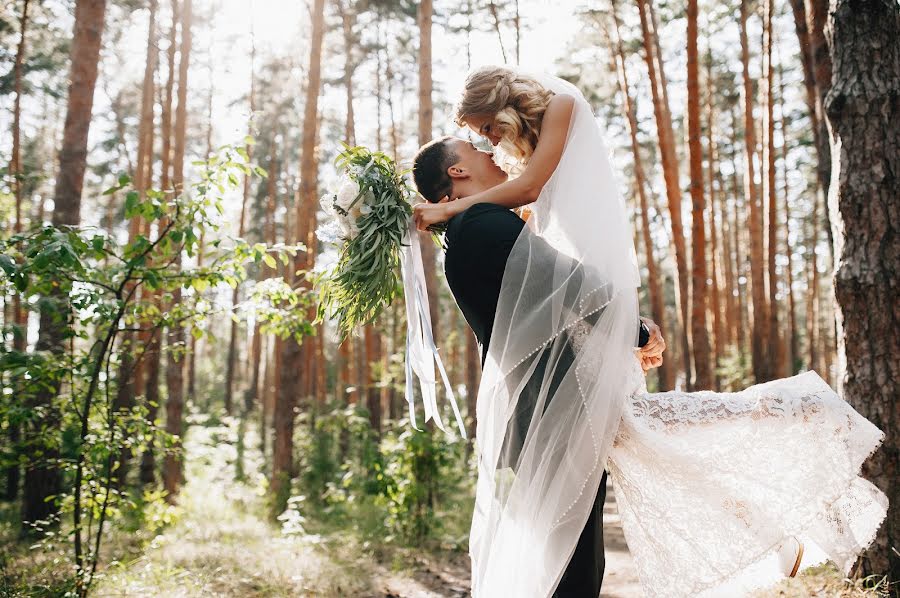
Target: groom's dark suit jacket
[{"x": 479, "y": 241}]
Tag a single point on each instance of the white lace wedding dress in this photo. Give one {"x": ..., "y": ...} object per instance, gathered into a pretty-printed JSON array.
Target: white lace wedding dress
[{"x": 708, "y": 484}]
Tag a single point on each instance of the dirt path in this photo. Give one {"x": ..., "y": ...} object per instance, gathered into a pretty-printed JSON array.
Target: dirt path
[{"x": 448, "y": 576}]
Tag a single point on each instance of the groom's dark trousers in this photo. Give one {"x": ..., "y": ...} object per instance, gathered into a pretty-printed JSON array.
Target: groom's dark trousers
[{"x": 479, "y": 241}]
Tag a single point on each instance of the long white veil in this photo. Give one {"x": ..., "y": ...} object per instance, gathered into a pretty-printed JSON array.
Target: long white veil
[{"x": 554, "y": 381}]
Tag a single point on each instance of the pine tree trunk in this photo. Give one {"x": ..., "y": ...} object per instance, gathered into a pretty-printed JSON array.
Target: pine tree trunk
[
  {"x": 426, "y": 113},
  {"x": 737, "y": 223},
  {"x": 863, "y": 112},
  {"x": 347, "y": 18},
  {"x": 776, "y": 353},
  {"x": 759, "y": 340},
  {"x": 813, "y": 103},
  {"x": 716, "y": 275},
  {"x": 43, "y": 479},
  {"x": 792, "y": 348},
  {"x": 19, "y": 316},
  {"x": 147, "y": 473},
  {"x": 373, "y": 393},
  {"x": 665, "y": 371},
  {"x": 173, "y": 464},
  {"x": 131, "y": 370},
  {"x": 292, "y": 360},
  {"x": 670, "y": 167},
  {"x": 817, "y": 14},
  {"x": 699, "y": 333},
  {"x": 812, "y": 292}
]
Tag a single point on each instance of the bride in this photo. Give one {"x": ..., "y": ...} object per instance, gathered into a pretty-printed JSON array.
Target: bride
[{"x": 718, "y": 493}]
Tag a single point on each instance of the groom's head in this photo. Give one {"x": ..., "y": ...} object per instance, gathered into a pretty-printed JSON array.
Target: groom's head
[{"x": 454, "y": 167}]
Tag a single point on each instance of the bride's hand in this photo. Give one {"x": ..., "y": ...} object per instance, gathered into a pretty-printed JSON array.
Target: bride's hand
[{"x": 425, "y": 214}]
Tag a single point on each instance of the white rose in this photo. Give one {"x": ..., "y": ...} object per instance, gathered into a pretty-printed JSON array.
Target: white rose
[{"x": 346, "y": 194}]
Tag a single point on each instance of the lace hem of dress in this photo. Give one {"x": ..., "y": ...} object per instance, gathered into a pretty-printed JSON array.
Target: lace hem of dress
[{"x": 846, "y": 515}]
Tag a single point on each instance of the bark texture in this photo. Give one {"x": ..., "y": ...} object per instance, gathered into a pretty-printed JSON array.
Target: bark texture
[
  {"x": 43, "y": 478},
  {"x": 863, "y": 113}
]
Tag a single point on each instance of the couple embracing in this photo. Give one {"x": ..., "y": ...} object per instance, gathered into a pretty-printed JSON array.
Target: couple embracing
[{"x": 718, "y": 493}]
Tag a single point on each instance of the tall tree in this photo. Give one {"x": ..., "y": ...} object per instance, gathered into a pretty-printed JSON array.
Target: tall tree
[
  {"x": 657, "y": 306},
  {"x": 715, "y": 296},
  {"x": 131, "y": 368},
  {"x": 863, "y": 111},
  {"x": 792, "y": 348},
  {"x": 43, "y": 478},
  {"x": 759, "y": 335},
  {"x": 426, "y": 114},
  {"x": 699, "y": 333},
  {"x": 669, "y": 159},
  {"x": 775, "y": 347},
  {"x": 292, "y": 357},
  {"x": 154, "y": 353},
  {"x": 173, "y": 465},
  {"x": 20, "y": 316}
]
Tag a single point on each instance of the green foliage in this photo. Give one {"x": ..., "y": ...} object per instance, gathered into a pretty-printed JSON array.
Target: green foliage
[
  {"x": 414, "y": 464},
  {"x": 366, "y": 277},
  {"x": 100, "y": 296}
]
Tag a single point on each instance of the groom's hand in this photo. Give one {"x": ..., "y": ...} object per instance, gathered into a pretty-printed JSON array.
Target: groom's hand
[{"x": 651, "y": 353}]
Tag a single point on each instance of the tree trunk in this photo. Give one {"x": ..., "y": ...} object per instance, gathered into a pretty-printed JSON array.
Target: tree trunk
[
  {"x": 792, "y": 348},
  {"x": 813, "y": 104},
  {"x": 715, "y": 297},
  {"x": 699, "y": 333},
  {"x": 817, "y": 14},
  {"x": 19, "y": 316},
  {"x": 131, "y": 370},
  {"x": 347, "y": 22},
  {"x": 373, "y": 393},
  {"x": 657, "y": 307},
  {"x": 669, "y": 159},
  {"x": 173, "y": 465},
  {"x": 43, "y": 479},
  {"x": 759, "y": 340},
  {"x": 737, "y": 224},
  {"x": 775, "y": 347},
  {"x": 863, "y": 112},
  {"x": 147, "y": 473},
  {"x": 812, "y": 292},
  {"x": 426, "y": 113},
  {"x": 292, "y": 357}
]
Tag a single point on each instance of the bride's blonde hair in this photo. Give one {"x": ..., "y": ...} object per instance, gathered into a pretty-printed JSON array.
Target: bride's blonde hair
[{"x": 517, "y": 103}]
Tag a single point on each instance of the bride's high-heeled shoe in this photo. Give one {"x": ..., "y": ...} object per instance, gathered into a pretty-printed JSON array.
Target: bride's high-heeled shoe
[{"x": 790, "y": 553}]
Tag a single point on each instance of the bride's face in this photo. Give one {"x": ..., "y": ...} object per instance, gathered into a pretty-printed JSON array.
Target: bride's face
[{"x": 484, "y": 125}]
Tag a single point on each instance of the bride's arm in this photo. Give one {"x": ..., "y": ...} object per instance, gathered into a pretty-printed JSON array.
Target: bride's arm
[{"x": 526, "y": 188}]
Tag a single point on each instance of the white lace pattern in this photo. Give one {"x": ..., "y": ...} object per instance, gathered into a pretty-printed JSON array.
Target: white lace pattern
[{"x": 708, "y": 485}]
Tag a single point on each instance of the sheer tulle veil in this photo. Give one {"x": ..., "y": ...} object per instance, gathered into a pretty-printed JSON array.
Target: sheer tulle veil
[{"x": 554, "y": 382}]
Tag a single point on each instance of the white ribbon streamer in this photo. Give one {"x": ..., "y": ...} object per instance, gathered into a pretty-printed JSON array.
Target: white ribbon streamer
[{"x": 421, "y": 352}]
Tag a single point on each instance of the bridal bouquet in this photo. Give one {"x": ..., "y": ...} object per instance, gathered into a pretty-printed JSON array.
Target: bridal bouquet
[{"x": 372, "y": 211}]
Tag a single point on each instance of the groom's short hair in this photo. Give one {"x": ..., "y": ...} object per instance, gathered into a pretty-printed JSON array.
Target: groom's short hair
[{"x": 430, "y": 169}]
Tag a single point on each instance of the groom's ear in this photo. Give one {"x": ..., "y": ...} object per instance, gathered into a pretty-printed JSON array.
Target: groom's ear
[{"x": 458, "y": 172}]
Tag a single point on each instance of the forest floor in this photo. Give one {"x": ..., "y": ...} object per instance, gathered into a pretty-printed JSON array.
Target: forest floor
[{"x": 220, "y": 543}]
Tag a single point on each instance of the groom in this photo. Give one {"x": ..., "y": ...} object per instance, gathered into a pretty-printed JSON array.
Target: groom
[{"x": 479, "y": 241}]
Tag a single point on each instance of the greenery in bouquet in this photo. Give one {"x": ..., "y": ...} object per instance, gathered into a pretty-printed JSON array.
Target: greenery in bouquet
[{"x": 371, "y": 210}]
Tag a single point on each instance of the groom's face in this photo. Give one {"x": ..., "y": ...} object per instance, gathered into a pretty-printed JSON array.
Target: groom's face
[{"x": 475, "y": 169}]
